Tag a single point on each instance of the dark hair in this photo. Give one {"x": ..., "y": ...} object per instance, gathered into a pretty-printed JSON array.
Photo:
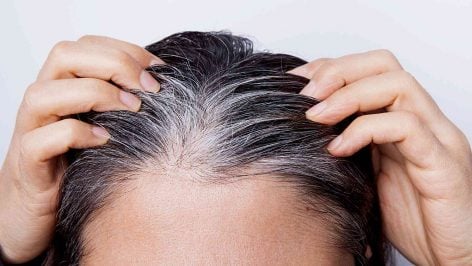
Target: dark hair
[{"x": 223, "y": 109}]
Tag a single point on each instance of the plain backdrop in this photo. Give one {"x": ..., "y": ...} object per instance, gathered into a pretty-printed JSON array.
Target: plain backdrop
[{"x": 432, "y": 39}]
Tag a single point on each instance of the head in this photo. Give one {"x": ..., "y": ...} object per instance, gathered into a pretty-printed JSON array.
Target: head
[{"x": 219, "y": 167}]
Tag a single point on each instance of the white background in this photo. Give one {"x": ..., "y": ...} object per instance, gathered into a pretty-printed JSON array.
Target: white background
[{"x": 432, "y": 39}]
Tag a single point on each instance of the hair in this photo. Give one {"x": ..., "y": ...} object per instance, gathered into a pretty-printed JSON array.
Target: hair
[{"x": 222, "y": 109}]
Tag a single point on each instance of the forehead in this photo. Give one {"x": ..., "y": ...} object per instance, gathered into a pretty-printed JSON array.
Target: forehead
[{"x": 178, "y": 221}]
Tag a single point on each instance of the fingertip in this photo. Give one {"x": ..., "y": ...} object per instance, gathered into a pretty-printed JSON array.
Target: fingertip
[
  {"x": 336, "y": 143},
  {"x": 130, "y": 100},
  {"x": 156, "y": 61},
  {"x": 314, "y": 112},
  {"x": 338, "y": 152},
  {"x": 343, "y": 151},
  {"x": 148, "y": 82},
  {"x": 101, "y": 133},
  {"x": 337, "y": 147}
]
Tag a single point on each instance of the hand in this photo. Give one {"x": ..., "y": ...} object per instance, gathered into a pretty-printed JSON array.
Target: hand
[
  {"x": 73, "y": 80},
  {"x": 422, "y": 161}
]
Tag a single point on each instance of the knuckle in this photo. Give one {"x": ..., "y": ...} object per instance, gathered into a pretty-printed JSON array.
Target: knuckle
[
  {"x": 318, "y": 62},
  {"x": 463, "y": 140},
  {"x": 87, "y": 38},
  {"x": 406, "y": 81},
  {"x": 30, "y": 98},
  {"x": 136, "y": 48},
  {"x": 408, "y": 77},
  {"x": 122, "y": 59},
  {"x": 323, "y": 60},
  {"x": 387, "y": 54},
  {"x": 330, "y": 66},
  {"x": 458, "y": 140},
  {"x": 61, "y": 48}
]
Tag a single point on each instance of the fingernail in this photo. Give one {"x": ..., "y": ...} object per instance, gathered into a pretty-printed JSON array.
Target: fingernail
[
  {"x": 128, "y": 99},
  {"x": 156, "y": 61},
  {"x": 309, "y": 89},
  {"x": 100, "y": 132},
  {"x": 321, "y": 88},
  {"x": 368, "y": 252},
  {"x": 148, "y": 82},
  {"x": 335, "y": 143},
  {"x": 316, "y": 110}
]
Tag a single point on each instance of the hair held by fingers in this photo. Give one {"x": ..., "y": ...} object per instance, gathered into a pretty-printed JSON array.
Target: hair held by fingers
[{"x": 224, "y": 112}]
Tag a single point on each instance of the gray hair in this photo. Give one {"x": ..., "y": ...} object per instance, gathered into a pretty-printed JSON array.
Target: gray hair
[{"x": 223, "y": 112}]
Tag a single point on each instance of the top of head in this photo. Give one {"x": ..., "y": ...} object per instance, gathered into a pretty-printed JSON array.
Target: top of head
[{"x": 223, "y": 113}]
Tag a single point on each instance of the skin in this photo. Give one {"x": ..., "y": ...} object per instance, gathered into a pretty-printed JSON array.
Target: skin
[
  {"x": 423, "y": 162},
  {"x": 31, "y": 173},
  {"x": 173, "y": 220}
]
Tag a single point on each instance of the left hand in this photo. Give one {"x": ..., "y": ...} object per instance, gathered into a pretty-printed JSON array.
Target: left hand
[{"x": 423, "y": 162}]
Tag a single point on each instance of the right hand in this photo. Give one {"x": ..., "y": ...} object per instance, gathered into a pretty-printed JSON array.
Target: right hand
[{"x": 74, "y": 79}]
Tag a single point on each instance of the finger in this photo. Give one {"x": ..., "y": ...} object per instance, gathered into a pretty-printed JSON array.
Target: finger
[
  {"x": 144, "y": 57},
  {"x": 46, "y": 102},
  {"x": 394, "y": 91},
  {"x": 45, "y": 143},
  {"x": 73, "y": 59},
  {"x": 308, "y": 70},
  {"x": 390, "y": 91},
  {"x": 391, "y": 151},
  {"x": 375, "y": 159},
  {"x": 415, "y": 141},
  {"x": 336, "y": 73}
]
